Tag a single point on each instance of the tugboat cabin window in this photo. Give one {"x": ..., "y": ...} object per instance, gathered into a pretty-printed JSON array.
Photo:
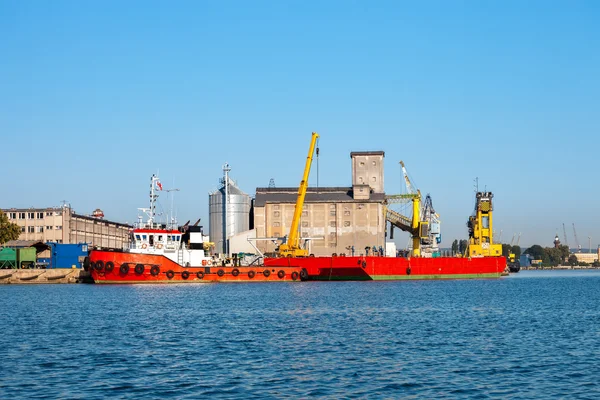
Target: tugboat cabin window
[
  {"x": 137, "y": 237},
  {"x": 160, "y": 238},
  {"x": 144, "y": 237},
  {"x": 151, "y": 240}
]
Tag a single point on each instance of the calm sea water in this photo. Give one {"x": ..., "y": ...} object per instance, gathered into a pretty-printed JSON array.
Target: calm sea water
[{"x": 532, "y": 335}]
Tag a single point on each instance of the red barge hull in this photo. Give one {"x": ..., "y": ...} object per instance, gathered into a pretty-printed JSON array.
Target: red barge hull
[
  {"x": 123, "y": 267},
  {"x": 393, "y": 268}
]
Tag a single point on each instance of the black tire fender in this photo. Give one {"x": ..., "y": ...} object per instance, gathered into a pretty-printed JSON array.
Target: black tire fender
[
  {"x": 139, "y": 269},
  {"x": 124, "y": 269},
  {"x": 109, "y": 266}
]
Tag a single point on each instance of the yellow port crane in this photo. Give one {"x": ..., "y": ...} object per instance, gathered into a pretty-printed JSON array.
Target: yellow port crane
[
  {"x": 480, "y": 226},
  {"x": 291, "y": 248}
]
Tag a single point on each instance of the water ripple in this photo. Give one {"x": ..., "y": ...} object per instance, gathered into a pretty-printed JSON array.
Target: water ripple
[{"x": 534, "y": 335}]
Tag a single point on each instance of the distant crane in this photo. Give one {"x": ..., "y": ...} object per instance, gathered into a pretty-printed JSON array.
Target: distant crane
[
  {"x": 589, "y": 244},
  {"x": 513, "y": 239},
  {"x": 518, "y": 239},
  {"x": 565, "y": 235},
  {"x": 576, "y": 240}
]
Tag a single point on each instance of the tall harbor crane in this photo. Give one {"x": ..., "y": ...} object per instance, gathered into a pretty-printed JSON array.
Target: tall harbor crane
[
  {"x": 291, "y": 247},
  {"x": 423, "y": 225},
  {"x": 565, "y": 235},
  {"x": 576, "y": 240}
]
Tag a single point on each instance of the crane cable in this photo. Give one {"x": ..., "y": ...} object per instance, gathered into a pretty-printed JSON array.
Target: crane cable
[{"x": 317, "y": 164}]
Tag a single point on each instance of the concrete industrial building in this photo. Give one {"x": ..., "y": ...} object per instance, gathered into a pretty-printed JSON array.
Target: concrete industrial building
[
  {"x": 336, "y": 219},
  {"x": 63, "y": 225}
]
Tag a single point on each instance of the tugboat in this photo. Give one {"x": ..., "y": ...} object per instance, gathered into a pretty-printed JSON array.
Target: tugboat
[{"x": 164, "y": 254}]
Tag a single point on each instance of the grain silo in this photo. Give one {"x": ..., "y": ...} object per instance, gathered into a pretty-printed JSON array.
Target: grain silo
[{"x": 229, "y": 210}]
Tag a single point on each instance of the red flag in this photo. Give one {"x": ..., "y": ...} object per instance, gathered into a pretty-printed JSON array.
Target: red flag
[{"x": 159, "y": 185}]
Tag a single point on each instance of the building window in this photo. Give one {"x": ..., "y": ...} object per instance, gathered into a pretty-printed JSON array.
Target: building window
[
  {"x": 332, "y": 213},
  {"x": 49, "y": 228},
  {"x": 276, "y": 224},
  {"x": 13, "y": 215},
  {"x": 332, "y": 224},
  {"x": 22, "y": 229},
  {"x": 305, "y": 213},
  {"x": 362, "y": 163},
  {"x": 58, "y": 227},
  {"x": 374, "y": 179},
  {"x": 31, "y": 229},
  {"x": 347, "y": 212},
  {"x": 40, "y": 229},
  {"x": 332, "y": 206},
  {"x": 304, "y": 223},
  {"x": 304, "y": 234},
  {"x": 31, "y": 215},
  {"x": 346, "y": 223},
  {"x": 40, "y": 215},
  {"x": 48, "y": 214},
  {"x": 276, "y": 214},
  {"x": 276, "y": 207},
  {"x": 21, "y": 215}
]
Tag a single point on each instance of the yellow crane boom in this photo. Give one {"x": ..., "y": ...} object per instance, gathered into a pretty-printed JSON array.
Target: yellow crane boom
[{"x": 292, "y": 246}]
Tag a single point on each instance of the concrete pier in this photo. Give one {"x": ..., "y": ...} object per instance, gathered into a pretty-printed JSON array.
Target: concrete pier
[{"x": 36, "y": 276}]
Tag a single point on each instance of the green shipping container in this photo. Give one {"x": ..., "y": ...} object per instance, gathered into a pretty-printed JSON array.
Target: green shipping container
[
  {"x": 8, "y": 258},
  {"x": 26, "y": 257}
]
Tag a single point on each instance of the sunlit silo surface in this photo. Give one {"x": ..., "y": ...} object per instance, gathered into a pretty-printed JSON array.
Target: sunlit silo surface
[{"x": 237, "y": 218}]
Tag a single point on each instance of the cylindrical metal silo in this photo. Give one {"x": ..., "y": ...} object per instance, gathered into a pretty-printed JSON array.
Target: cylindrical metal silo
[{"x": 237, "y": 217}]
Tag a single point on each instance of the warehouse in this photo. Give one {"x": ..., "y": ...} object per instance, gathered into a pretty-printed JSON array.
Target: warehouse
[
  {"x": 63, "y": 225},
  {"x": 340, "y": 220}
]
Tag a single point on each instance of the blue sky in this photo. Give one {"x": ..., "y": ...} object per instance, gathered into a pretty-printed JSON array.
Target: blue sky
[{"x": 97, "y": 96}]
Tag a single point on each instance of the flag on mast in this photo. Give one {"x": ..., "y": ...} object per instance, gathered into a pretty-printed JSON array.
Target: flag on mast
[{"x": 159, "y": 185}]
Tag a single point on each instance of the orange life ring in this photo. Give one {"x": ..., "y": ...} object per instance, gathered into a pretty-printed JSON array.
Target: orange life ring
[
  {"x": 159, "y": 246},
  {"x": 144, "y": 246},
  {"x": 203, "y": 262}
]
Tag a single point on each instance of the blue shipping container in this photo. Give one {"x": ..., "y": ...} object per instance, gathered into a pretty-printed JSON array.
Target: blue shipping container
[{"x": 67, "y": 255}]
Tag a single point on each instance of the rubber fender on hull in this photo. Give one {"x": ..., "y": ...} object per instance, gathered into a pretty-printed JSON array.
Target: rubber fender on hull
[
  {"x": 200, "y": 275},
  {"x": 281, "y": 274},
  {"x": 303, "y": 274},
  {"x": 139, "y": 269},
  {"x": 86, "y": 264},
  {"x": 124, "y": 269},
  {"x": 235, "y": 272},
  {"x": 266, "y": 273},
  {"x": 251, "y": 274},
  {"x": 99, "y": 265},
  {"x": 155, "y": 270},
  {"x": 185, "y": 274},
  {"x": 295, "y": 276},
  {"x": 220, "y": 273},
  {"x": 109, "y": 266},
  {"x": 170, "y": 274}
]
